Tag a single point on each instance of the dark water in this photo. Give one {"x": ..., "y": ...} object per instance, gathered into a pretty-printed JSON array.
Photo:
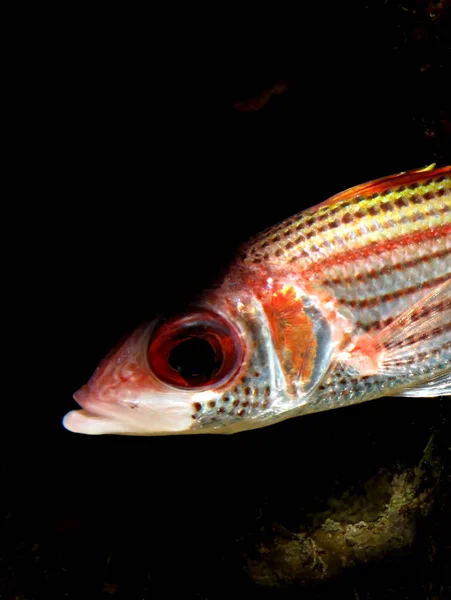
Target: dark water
[{"x": 136, "y": 184}]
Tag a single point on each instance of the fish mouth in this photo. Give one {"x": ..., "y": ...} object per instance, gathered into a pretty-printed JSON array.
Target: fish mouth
[
  {"x": 151, "y": 416},
  {"x": 93, "y": 418},
  {"x": 81, "y": 396},
  {"x": 83, "y": 421}
]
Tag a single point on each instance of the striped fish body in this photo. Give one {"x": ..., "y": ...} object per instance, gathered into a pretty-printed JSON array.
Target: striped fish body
[
  {"x": 346, "y": 302},
  {"x": 380, "y": 254}
]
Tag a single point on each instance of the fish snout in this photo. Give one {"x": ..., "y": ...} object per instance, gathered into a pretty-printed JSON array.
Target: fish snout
[{"x": 81, "y": 396}]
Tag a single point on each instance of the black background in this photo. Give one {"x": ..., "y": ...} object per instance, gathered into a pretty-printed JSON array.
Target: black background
[{"x": 135, "y": 181}]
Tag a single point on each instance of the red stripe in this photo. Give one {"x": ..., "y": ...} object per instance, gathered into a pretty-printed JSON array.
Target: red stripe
[
  {"x": 373, "y": 301},
  {"x": 424, "y": 312},
  {"x": 381, "y": 247},
  {"x": 375, "y": 274}
]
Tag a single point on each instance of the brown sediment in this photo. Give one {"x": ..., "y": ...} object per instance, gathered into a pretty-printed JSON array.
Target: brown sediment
[{"x": 354, "y": 530}]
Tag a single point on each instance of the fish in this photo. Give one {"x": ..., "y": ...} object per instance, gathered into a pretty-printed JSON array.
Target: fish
[{"x": 345, "y": 302}]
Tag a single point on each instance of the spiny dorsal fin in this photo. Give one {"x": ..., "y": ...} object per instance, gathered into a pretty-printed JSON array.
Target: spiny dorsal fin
[{"x": 386, "y": 183}]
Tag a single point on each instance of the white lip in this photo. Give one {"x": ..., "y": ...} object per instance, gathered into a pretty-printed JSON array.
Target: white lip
[
  {"x": 150, "y": 414},
  {"x": 82, "y": 421},
  {"x": 91, "y": 419}
]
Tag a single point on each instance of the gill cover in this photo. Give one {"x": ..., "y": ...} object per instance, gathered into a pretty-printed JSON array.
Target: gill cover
[{"x": 302, "y": 335}]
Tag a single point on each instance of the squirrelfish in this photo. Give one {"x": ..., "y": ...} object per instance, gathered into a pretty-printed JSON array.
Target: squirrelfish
[{"x": 345, "y": 302}]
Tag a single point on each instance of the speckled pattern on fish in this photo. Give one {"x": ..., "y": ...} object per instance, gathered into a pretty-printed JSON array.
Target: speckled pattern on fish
[{"x": 343, "y": 303}]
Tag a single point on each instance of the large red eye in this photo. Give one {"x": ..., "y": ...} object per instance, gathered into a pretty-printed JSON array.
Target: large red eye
[{"x": 196, "y": 350}]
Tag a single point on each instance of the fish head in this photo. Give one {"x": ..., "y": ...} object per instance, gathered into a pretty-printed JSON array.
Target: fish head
[{"x": 233, "y": 362}]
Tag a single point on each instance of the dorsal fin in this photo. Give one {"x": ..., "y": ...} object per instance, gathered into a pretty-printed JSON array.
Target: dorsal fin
[{"x": 385, "y": 183}]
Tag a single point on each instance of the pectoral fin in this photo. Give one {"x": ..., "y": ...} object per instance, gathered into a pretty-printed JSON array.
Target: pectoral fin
[
  {"x": 416, "y": 344},
  {"x": 420, "y": 331},
  {"x": 439, "y": 386}
]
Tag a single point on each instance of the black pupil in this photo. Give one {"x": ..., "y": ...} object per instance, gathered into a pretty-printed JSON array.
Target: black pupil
[{"x": 195, "y": 360}]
